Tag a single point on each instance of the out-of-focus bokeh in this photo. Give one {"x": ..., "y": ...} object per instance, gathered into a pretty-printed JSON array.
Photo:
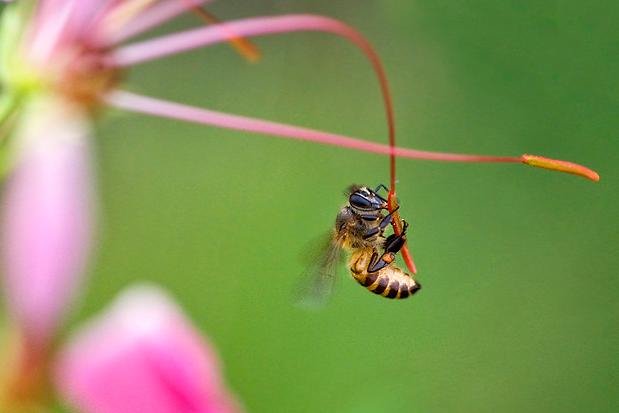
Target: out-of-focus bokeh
[{"x": 519, "y": 310}]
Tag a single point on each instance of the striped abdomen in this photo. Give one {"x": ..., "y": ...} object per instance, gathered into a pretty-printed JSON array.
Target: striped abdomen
[{"x": 390, "y": 282}]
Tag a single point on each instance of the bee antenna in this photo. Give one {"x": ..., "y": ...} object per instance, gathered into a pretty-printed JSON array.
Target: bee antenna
[{"x": 381, "y": 186}]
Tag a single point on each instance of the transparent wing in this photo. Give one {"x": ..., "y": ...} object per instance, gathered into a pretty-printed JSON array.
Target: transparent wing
[{"x": 318, "y": 280}]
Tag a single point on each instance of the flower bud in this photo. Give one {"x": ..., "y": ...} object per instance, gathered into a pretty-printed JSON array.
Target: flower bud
[{"x": 46, "y": 226}]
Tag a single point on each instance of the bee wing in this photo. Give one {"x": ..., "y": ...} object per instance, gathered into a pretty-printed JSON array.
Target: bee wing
[{"x": 318, "y": 280}]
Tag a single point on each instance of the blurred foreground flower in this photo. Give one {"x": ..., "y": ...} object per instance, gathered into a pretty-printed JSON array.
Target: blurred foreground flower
[
  {"x": 46, "y": 217},
  {"x": 141, "y": 355}
]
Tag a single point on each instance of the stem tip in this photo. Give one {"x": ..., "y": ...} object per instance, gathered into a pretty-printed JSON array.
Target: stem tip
[{"x": 560, "y": 166}]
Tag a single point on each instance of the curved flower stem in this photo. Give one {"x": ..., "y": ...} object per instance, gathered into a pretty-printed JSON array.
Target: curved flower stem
[
  {"x": 176, "y": 43},
  {"x": 191, "y": 39}
]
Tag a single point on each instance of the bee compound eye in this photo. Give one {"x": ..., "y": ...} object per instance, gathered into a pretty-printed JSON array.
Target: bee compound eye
[{"x": 359, "y": 201}]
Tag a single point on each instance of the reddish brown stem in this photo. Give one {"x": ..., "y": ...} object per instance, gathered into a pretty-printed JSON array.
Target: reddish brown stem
[
  {"x": 396, "y": 223},
  {"x": 26, "y": 383}
]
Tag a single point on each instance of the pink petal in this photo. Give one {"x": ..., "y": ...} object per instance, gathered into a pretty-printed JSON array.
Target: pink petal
[
  {"x": 46, "y": 216},
  {"x": 153, "y": 17},
  {"x": 48, "y": 32},
  {"x": 61, "y": 23},
  {"x": 255, "y": 26},
  {"x": 141, "y": 355}
]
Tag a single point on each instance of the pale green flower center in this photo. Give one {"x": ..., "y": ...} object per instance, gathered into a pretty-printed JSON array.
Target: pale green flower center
[{"x": 73, "y": 72}]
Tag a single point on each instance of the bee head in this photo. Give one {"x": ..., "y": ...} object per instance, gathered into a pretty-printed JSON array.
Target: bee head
[{"x": 362, "y": 199}]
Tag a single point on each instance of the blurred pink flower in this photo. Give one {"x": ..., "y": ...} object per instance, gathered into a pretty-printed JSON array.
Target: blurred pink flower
[
  {"x": 46, "y": 216},
  {"x": 142, "y": 355}
]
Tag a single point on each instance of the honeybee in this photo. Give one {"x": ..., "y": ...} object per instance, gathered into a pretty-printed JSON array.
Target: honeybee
[{"x": 359, "y": 229}]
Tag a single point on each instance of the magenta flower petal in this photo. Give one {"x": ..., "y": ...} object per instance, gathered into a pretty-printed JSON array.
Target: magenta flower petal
[
  {"x": 142, "y": 355},
  {"x": 46, "y": 216}
]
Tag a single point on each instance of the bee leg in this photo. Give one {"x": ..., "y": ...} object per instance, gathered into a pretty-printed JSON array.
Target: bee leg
[
  {"x": 377, "y": 262},
  {"x": 380, "y": 228},
  {"x": 370, "y": 233},
  {"x": 387, "y": 220},
  {"x": 393, "y": 245}
]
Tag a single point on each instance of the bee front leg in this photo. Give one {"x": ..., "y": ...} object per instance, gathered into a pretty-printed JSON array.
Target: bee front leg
[
  {"x": 381, "y": 226},
  {"x": 394, "y": 243}
]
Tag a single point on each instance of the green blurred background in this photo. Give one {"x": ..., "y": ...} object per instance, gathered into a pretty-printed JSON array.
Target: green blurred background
[{"x": 519, "y": 310}]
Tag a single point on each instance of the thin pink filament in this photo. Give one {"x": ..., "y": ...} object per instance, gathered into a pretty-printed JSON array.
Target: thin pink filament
[{"x": 162, "y": 108}]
